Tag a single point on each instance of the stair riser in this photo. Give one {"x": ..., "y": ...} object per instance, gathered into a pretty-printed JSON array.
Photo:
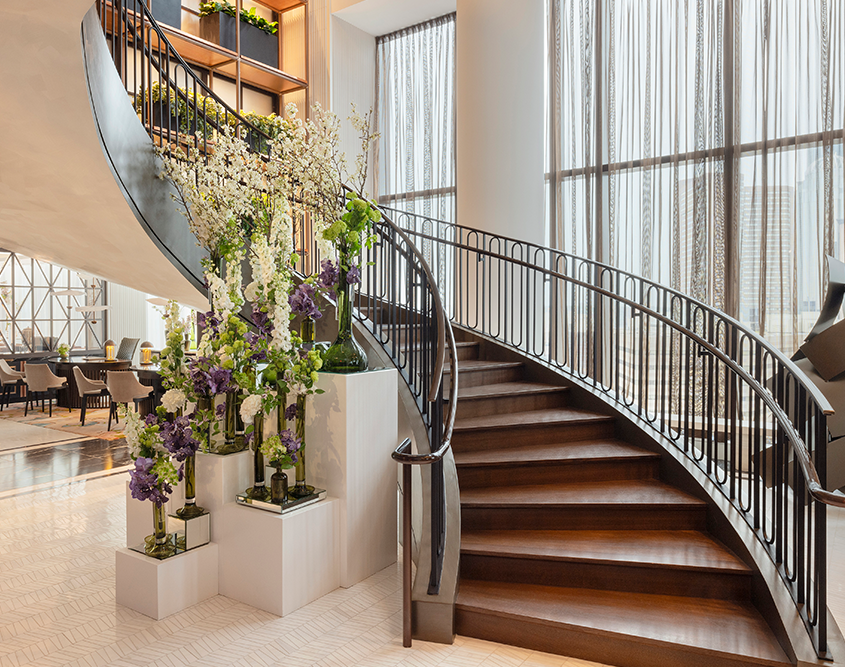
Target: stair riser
[
  {"x": 482, "y": 407},
  {"x": 612, "y": 577},
  {"x": 515, "y": 436},
  {"x": 479, "y": 378},
  {"x": 467, "y": 352},
  {"x": 583, "y": 518},
  {"x": 549, "y": 472},
  {"x": 586, "y": 644}
]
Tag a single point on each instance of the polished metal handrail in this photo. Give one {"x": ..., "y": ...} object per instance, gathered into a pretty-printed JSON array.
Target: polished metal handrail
[{"x": 673, "y": 363}]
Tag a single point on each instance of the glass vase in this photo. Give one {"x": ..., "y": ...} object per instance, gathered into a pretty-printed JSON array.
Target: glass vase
[
  {"x": 281, "y": 422},
  {"x": 300, "y": 488},
  {"x": 231, "y": 442},
  {"x": 345, "y": 355},
  {"x": 190, "y": 508},
  {"x": 278, "y": 487},
  {"x": 307, "y": 332},
  {"x": 159, "y": 544},
  {"x": 259, "y": 490},
  {"x": 204, "y": 405}
]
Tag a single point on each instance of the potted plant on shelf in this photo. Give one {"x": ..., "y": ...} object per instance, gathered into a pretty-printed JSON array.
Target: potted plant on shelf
[{"x": 259, "y": 39}]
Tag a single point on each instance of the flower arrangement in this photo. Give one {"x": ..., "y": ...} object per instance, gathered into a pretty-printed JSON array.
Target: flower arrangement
[
  {"x": 63, "y": 350},
  {"x": 281, "y": 449}
]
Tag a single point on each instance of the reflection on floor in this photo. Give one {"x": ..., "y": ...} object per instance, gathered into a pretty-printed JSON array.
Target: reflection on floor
[
  {"x": 35, "y": 456},
  {"x": 57, "y": 605}
]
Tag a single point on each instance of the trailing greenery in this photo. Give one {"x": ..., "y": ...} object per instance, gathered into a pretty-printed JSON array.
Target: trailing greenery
[
  {"x": 251, "y": 17},
  {"x": 185, "y": 104}
]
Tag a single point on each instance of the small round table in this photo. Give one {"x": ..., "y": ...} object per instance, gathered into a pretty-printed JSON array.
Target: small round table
[{"x": 92, "y": 367}]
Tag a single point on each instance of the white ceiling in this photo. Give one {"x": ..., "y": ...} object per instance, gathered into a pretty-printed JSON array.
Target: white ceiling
[
  {"x": 58, "y": 199},
  {"x": 379, "y": 17}
]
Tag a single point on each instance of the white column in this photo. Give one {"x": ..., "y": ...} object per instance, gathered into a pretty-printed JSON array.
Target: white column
[{"x": 500, "y": 112}]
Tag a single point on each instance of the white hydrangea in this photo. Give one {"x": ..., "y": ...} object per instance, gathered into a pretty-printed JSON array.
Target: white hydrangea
[
  {"x": 250, "y": 407},
  {"x": 174, "y": 400}
]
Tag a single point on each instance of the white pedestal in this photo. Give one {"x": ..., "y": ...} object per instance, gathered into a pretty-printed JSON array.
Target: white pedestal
[
  {"x": 350, "y": 432},
  {"x": 159, "y": 588},
  {"x": 280, "y": 562}
]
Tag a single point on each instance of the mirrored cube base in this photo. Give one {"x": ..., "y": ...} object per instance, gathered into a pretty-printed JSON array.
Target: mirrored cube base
[
  {"x": 281, "y": 508},
  {"x": 193, "y": 532}
]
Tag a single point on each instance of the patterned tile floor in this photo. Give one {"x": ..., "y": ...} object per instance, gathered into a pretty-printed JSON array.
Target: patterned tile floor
[{"x": 57, "y": 605}]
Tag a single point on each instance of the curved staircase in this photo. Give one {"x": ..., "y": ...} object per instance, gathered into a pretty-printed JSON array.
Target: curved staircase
[{"x": 571, "y": 543}]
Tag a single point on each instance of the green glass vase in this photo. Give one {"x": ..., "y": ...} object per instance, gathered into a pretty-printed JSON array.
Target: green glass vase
[
  {"x": 159, "y": 544},
  {"x": 300, "y": 489},
  {"x": 259, "y": 490},
  {"x": 278, "y": 486},
  {"x": 345, "y": 355},
  {"x": 190, "y": 509},
  {"x": 231, "y": 442}
]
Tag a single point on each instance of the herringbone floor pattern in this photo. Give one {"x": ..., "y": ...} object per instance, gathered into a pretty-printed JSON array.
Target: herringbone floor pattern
[{"x": 57, "y": 606}]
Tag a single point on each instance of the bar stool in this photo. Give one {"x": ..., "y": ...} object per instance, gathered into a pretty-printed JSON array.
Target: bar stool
[
  {"x": 124, "y": 387},
  {"x": 87, "y": 388}
]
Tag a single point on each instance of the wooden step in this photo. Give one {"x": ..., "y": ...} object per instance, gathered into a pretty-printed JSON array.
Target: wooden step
[
  {"x": 493, "y": 399},
  {"x": 589, "y": 460},
  {"x": 604, "y": 505},
  {"x": 619, "y": 628},
  {"x": 671, "y": 562},
  {"x": 530, "y": 428},
  {"x": 476, "y": 372},
  {"x": 465, "y": 351}
]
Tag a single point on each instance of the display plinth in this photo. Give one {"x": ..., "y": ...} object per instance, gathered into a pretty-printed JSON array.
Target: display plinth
[
  {"x": 159, "y": 588},
  {"x": 280, "y": 562},
  {"x": 350, "y": 431}
]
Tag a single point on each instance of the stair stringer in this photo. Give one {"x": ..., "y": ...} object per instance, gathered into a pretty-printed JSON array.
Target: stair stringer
[
  {"x": 771, "y": 597},
  {"x": 131, "y": 157}
]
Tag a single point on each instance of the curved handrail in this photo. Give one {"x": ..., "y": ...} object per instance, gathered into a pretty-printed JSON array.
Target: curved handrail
[
  {"x": 126, "y": 23},
  {"x": 673, "y": 362},
  {"x": 809, "y": 386}
]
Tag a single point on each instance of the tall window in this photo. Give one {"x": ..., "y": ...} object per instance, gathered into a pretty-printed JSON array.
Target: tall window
[
  {"x": 416, "y": 118},
  {"x": 43, "y": 305},
  {"x": 700, "y": 144}
]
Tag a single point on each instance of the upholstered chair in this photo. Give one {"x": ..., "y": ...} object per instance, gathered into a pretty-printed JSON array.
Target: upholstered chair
[
  {"x": 127, "y": 348},
  {"x": 41, "y": 380},
  {"x": 87, "y": 388},
  {"x": 124, "y": 387},
  {"x": 9, "y": 379}
]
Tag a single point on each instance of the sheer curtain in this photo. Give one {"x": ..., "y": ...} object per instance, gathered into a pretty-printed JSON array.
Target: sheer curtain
[
  {"x": 415, "y": 93},
  {"x": 700, "y": 144}
]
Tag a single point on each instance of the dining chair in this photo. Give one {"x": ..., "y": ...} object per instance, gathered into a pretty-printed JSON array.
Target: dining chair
[
  {"x": 41, "y": 380},
  {"x": 87, "y": 388},
  {"x": 124, "y": 387},
  {"x": 9, "y": 379},
  {"x": 127, "y": 348}
]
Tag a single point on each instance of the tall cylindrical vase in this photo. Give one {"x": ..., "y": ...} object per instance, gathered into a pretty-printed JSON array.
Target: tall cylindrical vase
[
  {"x": 259, "y": 490},
  {"x": 345, "y": 355},
  {"x": 204, "y": 405},
  {"x": 300, "y": 488},
  {"x": 159, "y": 544},
  {"x": 231, "y": 442},
  {"x": 190, "y": 508}
]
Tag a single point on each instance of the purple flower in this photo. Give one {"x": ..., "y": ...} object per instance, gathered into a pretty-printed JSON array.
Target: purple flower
[
  {"x": 177, "y": 437},
  {"x": 302, "y": 301},
  {"x": 353, "y": 276},
  {"x": 262, "y": 322},
  {"x": 329, "y": 275},
  {"x": 209, "y": 380},
  {"x": 290, "y": 441},
  {"x": 145, "y": 485},
  {"x": 151, "y": 419},
  {"x": 220, "y": 410},
  {"x": 208, "y": 321},
  {"x": 290, "y": 411}
]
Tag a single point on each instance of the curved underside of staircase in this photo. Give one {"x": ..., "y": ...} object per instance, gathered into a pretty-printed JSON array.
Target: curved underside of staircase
[
  {"x": 58, "y": 198},
  {"x": 581, "y": 536}
]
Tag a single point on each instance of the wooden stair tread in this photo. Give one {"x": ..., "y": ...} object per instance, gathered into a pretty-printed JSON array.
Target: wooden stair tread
[
  {"x": 699, "y": 625},
  {"x": 584, "y": 450},
  {"x": 530, "y": 418},
  {"x": 473, "y": 365},
  {"x": 621, "y": 493},
  {"x": 687, "y": 549},
  {"x": 505, "y": 389}
]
